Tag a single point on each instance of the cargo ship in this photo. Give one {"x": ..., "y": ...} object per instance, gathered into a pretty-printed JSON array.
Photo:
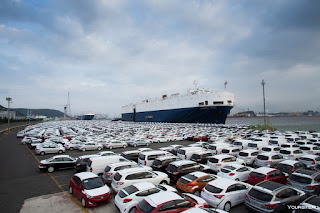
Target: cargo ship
[
  {"x": 88, "y": 116},
  {"x": 195, "y": 106}
]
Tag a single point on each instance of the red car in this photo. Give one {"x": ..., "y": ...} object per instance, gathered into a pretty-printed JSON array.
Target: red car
[
  {"x": 266, "y": 173},
  {"x": 169, "y": 202},
  {"x": 200, "y": 138},
  {"x": 90, "y": 189}
]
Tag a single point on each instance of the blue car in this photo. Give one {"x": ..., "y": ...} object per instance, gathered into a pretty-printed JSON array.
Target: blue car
[{"x": 138, "y": 143}]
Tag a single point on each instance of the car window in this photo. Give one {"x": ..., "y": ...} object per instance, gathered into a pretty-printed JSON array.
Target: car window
[
  {"x": 146, "y": 175},
  {"x": 134, "y": 176},
  {"x": 232, "y": 188},
  {"x": 272, "y": 174},
  {"x": 77, "y": 180},
  {"x": 168, "y": 206},
  {"x": 57, "y": 160},
  {"x": 148, "y": 192},
  {"x": 182, "y": 204},
  {"x": 67, "y": 159},
  {"x": 243, "y": 169},
  {"x": 283, "y": 194}
]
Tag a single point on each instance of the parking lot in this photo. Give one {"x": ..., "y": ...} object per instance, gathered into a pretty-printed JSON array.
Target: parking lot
[{"x": 21, "y": 180}]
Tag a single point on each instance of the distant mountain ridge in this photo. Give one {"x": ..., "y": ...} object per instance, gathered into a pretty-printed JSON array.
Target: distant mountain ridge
[{"x": 50, "y": 113}]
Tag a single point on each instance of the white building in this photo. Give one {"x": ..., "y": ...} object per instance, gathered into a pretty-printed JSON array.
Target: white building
[{"x": 4, "y": 114}]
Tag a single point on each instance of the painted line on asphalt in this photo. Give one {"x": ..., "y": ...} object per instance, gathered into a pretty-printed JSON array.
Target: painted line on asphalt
[{"x": 76, "y": 202}]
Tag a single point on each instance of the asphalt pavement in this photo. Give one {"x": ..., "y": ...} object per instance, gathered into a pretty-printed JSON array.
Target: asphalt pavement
[{"x": 20, "y": 180}]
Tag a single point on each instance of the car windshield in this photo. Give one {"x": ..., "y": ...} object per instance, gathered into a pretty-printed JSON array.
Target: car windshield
[
  {"x": 300, "y": 179},
  {"x": 128, "y": 191},
  {"x": 260, "y": 195},
  {"x": 93, "y": 183},
  {"x": 144, "y": 206},
  {"x": 172, "y": 168},
  {"x": 213, "y": 189},
  {"x": 243, "y": 154}
]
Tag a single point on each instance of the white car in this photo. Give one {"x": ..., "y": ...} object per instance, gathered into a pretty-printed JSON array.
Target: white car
[
  {"x": 130, "y": 176},
  {"x": 235, "y": 172},
  {"x": 127, "y": 198},
  {"x": 310, "y": 149},
  {"x": 224, "y": 193},
  {"x": 107, "y": 153},
  {"x": 248, "y": 155},
  {"x": 270, "y": 148},
  {"x": 216, "y": 162},
  {"x": 160, "y": 139},
  {"x": 90, "y": 146},
  {"x": 291, "y": 153},
  {"x": 115, "y": 144},
  {"x": 232, "y": 150},
  {"x": 73, "y": 144},
  {"x": 49, "y": 148},
  {"x": 310, "y": 161}
]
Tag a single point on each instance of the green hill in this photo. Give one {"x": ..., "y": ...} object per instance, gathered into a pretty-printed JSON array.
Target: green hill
[{"x": 50, "y": 113}]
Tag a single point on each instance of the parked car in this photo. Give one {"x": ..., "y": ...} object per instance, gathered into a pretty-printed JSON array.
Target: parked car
[
  {"x": 310, "y": 161},
  {"x": 57, "y": 162},
  {"x": 269, "y": 196},
  {"x": 266, "y": 173},
  {"x": 168, "y": 202},
  {"x": 201, "y": 157},
  {"x": 270, "y": 148},
  {"x": 161, "y": 163},
  {"x": 71, "y": 145},
  {"x": 224, "y": 193},
  {"x": 216, "y": 148},
  {"x": 305, "y": 180},
  {"x": 130, "y": 176},
  {"x": 194, "y": 182},
  {"x": 82, "y": 162},
  {"x": 236, "y": 172},
  {"x": 177, "y": 169},
  {"x": 311, "y": 204},
  {"x": 90, "y": 189},
  {"x": 90, "y": 146},
  {"x": 268, "y": 159},
  {"x": 127, "y": 198},
  {"x": 232, "y": 150},
  {"x": 107, "y": 153},
  {"x": 97, "y": 165},
  {"x": 291, "y": 153},
  {"x": 44, "y": 148},
  {"x": 136, "y": 143},
  {"x": 218, "y": 161},
  {"x": 115, "y": 144},
  {"x": 204, "y": 210},
  {"x": 248, "y": 156},
  {"x": 310, "y": 149},
  {"x": 147, "y": 158},
  {"x": 289, "y": 166},
  {"x": 131, "y": 155}
]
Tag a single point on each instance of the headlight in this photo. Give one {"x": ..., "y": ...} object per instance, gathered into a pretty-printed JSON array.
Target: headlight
[{"x": 89, "y": 196}]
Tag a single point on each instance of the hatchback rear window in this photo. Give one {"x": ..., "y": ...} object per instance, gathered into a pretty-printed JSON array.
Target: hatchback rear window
[
  {"x": 252, "y": 145},
  {"x": 300, "y": 179},
  {"x": 190, "y": 177},
  {"x": 256, "y": 174},
  {"x": 306, "y": 159},
  {"x": 157, "y": 162},
  {"x": 286, "y": 152},
  {"x": 237, "y": 143},
  {"x": 304, "y": 148},
  {"x": 181, "y": 152},
  {"x": 266, "y": 149},
  {"x": 243, "y": 154},
  {"x": 225, "y": 151},
  {"x": 212, "y": 147},
  {"x": 225, "y": 170},
  {"x": 213, "y": 160},
  {"x": 262, "y": 157},
  {"x": 144, "y": 206},
  {"x": 213, "y": 189},
  {"x": 172, "y": 168},
  {"x": 260, "y": 195},
  {"x": 107, "y": 169},
  {"x": 142, "y": 156},
  {"x": 117, "y": 177}
]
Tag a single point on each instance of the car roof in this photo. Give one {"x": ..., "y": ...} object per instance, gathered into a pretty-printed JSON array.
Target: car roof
[
  {"x": 162, "y": 197},
  {"x": 310, "y": 156},
  {"x": 131, "y": 151},
  {"x": 270, "y": 185},
  {"x": 201, "y": 152},
  {"x": 268, "y": 154},
  {"x": 154, "y": 152},
  {"x": 306, "y": 172},
  {"x": 264, "y": 170},
  {"x": 249, "y": 150},
  {"x": 167, "y": 157},
  {"x": 143, "y": 185},
  {"x": 57, "y": 156},
  {"x": 236, "y": 166},
  {"x": 220, "y": 156},
  {"x": 289, "y": 162},
  {"x": 222, "y": 182},
  {"x": 86, "y": 175},
  {"x": 132, "y": 170},
  {"x": 122, "y": 163},
  {"x": 198, "y": 174},
  {"x": 182, "y": 162}
]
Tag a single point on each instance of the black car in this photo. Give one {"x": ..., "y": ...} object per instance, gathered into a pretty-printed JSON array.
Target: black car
[
  {"x": 160, "y": 164},
  {"x": 57, "y": 162},
  {"x": 82, "y": 162},
  {"x": 201, "y": 157},
  {"x": 131, "y": 155},
  {"x": 177, "y": 169}
]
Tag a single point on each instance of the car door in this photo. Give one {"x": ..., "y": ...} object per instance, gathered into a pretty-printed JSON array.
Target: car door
[
  {"x": 77, "y": 187},
  {"x": 68, "y": 162},
  {"x": 182, "y": 205},
  {"x": 243, "y": 173},
  {"x": 232, "y": 195},
  {"x": 241, "y": 190},
  {"x": 168, "y": 207}
]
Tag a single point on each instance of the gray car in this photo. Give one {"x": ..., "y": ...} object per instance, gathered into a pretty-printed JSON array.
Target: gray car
[
  {"x": 270, "y": 196},
  {"x": 306, "y": 180}
]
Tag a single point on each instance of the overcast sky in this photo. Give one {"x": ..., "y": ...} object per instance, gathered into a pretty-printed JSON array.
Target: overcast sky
[{"x": 108, "y": 53}]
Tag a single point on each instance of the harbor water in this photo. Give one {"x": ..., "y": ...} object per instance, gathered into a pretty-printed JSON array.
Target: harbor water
[{"x": 282, "y": 123}]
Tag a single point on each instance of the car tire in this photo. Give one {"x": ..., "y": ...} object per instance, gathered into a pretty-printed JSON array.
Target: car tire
[
  {"x": 164, "y": 182},
  {"x": 83, "y": 149},
  {"x": 227, "y": 206},
  {"x": 99, "y": 148},
  {"x": 158, "y": 141},
  {"x": 197, "y": 193},
  {"x": 50, "y": 169},
  {"x": 124, "y": 146},
  {"x": 110, "y": 147},
  {"x": 135, "y": 145},
  {"x": 132, "y": 210},
  {"x": 70, "y": 190},
  {"x": 148, "y": 144},
  {"x": 60, "y": 151},
  {"x": 237, "y": 179},
  {"x": 42, "y": 153},
  {"x": 83, "y": 202},
  {"x": 71, "y": 148}
]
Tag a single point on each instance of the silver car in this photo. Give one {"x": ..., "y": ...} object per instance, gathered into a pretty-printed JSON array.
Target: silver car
[
  {"x": 49, "y": 148},
  {"x": 306, "y": 180}
]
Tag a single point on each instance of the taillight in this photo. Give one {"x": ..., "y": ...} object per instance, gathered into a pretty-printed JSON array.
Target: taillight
[
  {"x": 90, "y": 169},
  {"x": 257, "y": 148},
  {"x": 175, "y": 173},
  {"x": 120, "y": 183},
  {"x": 313, "y": 162},
  {"x": 160, "y": 166},
  {"x": 218, "y": 164},
  {"x": 219, "y": 196},
  {"x": 185, "y": 157},
  {"x": 311, "y": 186},
  {"x": 199, "y": 159},
  {"x": 41, "y": 164},
  {"x": 271, "y": 206},
  {"x": 231, "y": 174},
  {"x": 205, "y": 205},
  {"x": 145, "y": 162},
  {"x": 127, "y": 200},
  {"x": 189, "y": 185},
  {"x": 246, "y": 196},
  {"x": 109, "y": 173},
  {"x": 292, "y": 170}
]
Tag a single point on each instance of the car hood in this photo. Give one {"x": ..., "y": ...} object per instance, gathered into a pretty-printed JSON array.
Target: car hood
[{"x": 98, "y": 191}]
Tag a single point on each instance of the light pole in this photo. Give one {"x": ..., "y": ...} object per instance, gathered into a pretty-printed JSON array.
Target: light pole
[
  {"x": 264, "y": 103},
  {"x": 9, "y": 100}
]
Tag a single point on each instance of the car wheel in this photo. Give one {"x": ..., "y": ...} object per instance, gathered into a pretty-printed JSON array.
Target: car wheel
[
  {"x": 158, "y": 141},
  {"x": 99, "y": 148},
  {"x": 164, "y": 182},
  {"x": 71, "y": 148},
  {"x": 83, "y": 202},
  {"x": 84, "y": 149},
  {"x": 148, "y": 144},
  {"x": 197, "y": 193},
  {"x": 237, "y": 179},
  {"x": 132, "y": 210},
  {"x": 110, "y": 147},
  {"x": 42, "y": 153},
  {"x": 50, "y": 169},
  {"x": 70, "y": 190},
  {"x": 124, "y": 146},
  {"x": 135, "y": 145},
  {"x": 227, "y": 206},
  {"x": 60, "y": 151}
]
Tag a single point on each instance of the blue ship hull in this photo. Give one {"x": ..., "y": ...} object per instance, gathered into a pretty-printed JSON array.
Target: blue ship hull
[
  {"x": 209, "y": 114},
  {"x": 85, "y": 117}
]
